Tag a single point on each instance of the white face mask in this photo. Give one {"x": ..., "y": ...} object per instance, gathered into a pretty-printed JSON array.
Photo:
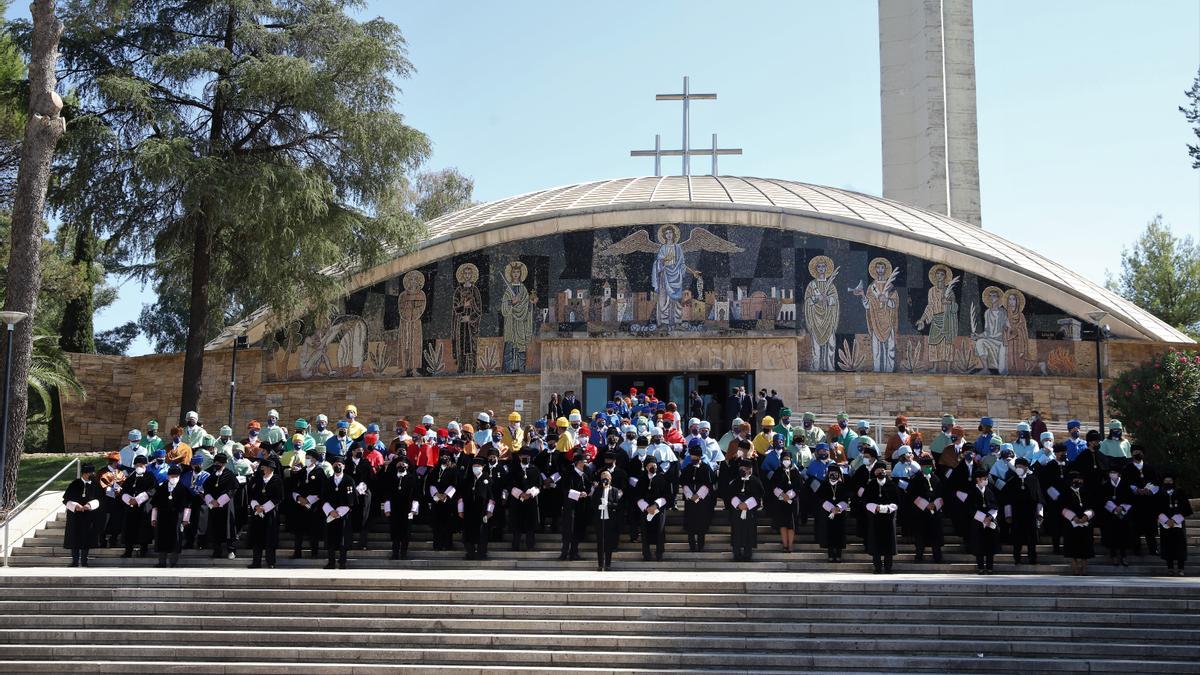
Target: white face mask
[
  {"x": 881, "y": 480},
  {"x": 1020, "y": 471},
  {"x": 477, "y": 470},
  {"x": 140, "y": 470},
  {"x": 172, "y": 481},
  {"x": 787, "y": 462},
  {"x": 309, "y": 462},
  {"x": 402, "y": 473}
]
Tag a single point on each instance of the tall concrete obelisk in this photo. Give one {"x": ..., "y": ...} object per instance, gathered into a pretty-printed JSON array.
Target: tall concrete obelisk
[{"x": 927, "y": 96}]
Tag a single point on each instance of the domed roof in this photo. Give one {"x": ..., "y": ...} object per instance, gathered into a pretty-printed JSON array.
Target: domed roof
[{"x": 883, "y": 222}]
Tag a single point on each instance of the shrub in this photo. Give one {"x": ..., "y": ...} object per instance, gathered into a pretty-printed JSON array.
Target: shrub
[{"x": 1159, "y": 403}]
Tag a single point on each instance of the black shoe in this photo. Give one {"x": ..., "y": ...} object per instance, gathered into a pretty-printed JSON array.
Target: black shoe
[
  {"x": 83, "y": 563},
  {"x": 878, "y": 571},
  {"x": 296, "y": 555},
  {"x": 127, "y": 554},
  {"x": 575, "y": 556},
  {"x": 395, "y": 556},
  {"x": 980, "y": 570},
  {"x": 161, "y": 564},
  {"x": 562, "y": 556},
  {"x": 75, "y": 563},
  {"x": 920, "y": 558},
  {"x": 271, "y": 566},
  {"x": 1124, "y": 562},
  {"x": 342, "y": 565},
  {"x": 329, "y": 565},
  {"x": 253, "y": 566}
]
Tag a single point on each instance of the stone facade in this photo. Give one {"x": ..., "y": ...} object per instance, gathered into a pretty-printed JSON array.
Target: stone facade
[{"x": 124, "y": 393}]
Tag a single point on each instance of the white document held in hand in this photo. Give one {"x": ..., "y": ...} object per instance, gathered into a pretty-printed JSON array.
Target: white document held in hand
[
  {"x": 574, "y": 495},
  {"x": 223, "y": 500},
  {"x": 387, "y": 508},
  {"x": 1053, "y": 493}
]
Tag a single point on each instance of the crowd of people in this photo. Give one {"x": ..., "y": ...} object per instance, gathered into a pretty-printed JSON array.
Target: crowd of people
[{"x": 619, "y": 472}]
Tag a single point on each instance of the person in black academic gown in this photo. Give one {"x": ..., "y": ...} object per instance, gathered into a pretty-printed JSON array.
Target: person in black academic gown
[
  {"x": 833, "y": 501},
  {"x": 476, "y": 503},
  {"x": 744, "y": 499},
  {"x": 574, "y": 486},
  {"x": 880, "y": 500},
  {"x": 1052, "y": 479},
  {"x": 984, "y": 509},
  {"x": 304, "y": 515},
  {"x": 401, "y": 493},
  {"x": 859, "y": 480},
  {"x": 925, "y": 493},
  {"x": 1077, "y": 514},
  {"x": 265, "y": 494},
  {"x": 1023, "y": 510},
  {"x": 523, "y": 486},
  {"x": 1143, "y": 482},
  {"x": 699, "y": 485},
  {"x": 82, "y": 499},
  {"x": 606, "y": 497},
  {"x": 1171, "y": 509},
  {"x": 441, "y": 486},
  {"x": 337, "y": 503},
  {"x": 652, "y": 497},
  {"x": 784, "y": 488},
  {"x": 363, "y": 474},
  {"x": 135, "y": 494},
  {"x": 170, "y": 513},
  {"x": 219, "y": 492},
  {"x": 1113, "y": 501}
]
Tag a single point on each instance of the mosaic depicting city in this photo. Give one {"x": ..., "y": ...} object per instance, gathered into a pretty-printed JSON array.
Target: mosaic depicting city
[{"x": 853, "y": 307}]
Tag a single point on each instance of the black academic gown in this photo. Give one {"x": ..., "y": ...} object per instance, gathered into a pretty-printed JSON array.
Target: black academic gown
[
  {"x": 782, "y": 482},
  {"x": 1053, "y": 476},
  {"x": 363, "y": 474},
  {"x": 927, "y": 523},
  {"x": 983, "y": 540},
  {"x": 1022, "y": 501},
  {"x": 523, "y": 514},
  {"x": 654, "y": 491},
  {"x": 697, "y": 515},
  {"x": 168, "y": 509},
  {"x": 744, "y": 524},
  {"x": 137, "y": 516},
  {"x": 442, "y": 482},
  {"x": 476, "y": 503},
  {"x": 498, "y": 478},
  {"x": 400, "y": 494},
  {"x": 263, "y": 531},
  {"x": 830, "y": 527},
  {"x": 881, "y": 527},
  {"x": 1077, "y": 540},
  {"x": 607, "y": 505},
  {"x": 575, "y": 512},
  {"x": 339, "y": 494},
  {"x": 1143, "y": 518},
  {"x": 304, "y": 511},
  {"x": 1116, "y": 531},
  {"x": 221, "y": 528},
  {"x": 1173, "y": 547},
  {"x": 80, "y": 533}
]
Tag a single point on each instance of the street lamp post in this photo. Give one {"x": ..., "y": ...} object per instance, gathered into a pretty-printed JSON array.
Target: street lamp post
[
  {"x": 10, "y": 319},
  {"x": 1097, "y": 317},
  {"x": 239, "y": 342}
]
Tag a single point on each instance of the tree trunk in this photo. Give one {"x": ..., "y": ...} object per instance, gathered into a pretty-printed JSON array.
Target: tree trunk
[
  {"x": 198, "y": 310},
  {"x": 42, "y": 131},
  {"x": 202, "y": 243}
]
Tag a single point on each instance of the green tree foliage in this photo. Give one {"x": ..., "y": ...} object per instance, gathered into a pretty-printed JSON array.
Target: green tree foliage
[
  {"x": 255, "y": 143},
  {"x": 116, "y": 341},
  {"x": 1161, "y": 274},
  {"x": 1192, "y": 113},
  {"x": 1159, "y": 401}
]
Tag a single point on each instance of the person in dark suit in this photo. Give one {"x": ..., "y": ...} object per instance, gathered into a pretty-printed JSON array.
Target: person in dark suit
[
  {"x": 170, "y": 511},
  {"x": 358, "y": 468},
  {"x": 136, "y": 493},
  {"x": 880, "y": 503},
  {"x": 1172, "y": 508},
  {"x": 523, "y": 486},
  {"x": 82, "y": 499},
  {"x": 265, "y": 495},
  {"x": 928, "y": 500},
  {"x": 476, "y": 504},
  {"x": 652, "y": 496},
  {"x": 606, "y": 498},
  {"x": 774, "y": 404},
  {"x": 833, "y": 501},
  {"x": 219, "y": 492},
  {"x": 745, "y": 500},
  {"x": 574, "y": 486},
  {"x": 984, "y": 508},
  {"x": 337, "y": 503},
  {"x": 1023, "y": 510},
  {"x": 400, "y": 490}
]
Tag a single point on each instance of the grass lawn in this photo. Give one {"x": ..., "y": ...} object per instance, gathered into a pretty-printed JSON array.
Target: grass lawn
[{"x": 37, "y": 468}]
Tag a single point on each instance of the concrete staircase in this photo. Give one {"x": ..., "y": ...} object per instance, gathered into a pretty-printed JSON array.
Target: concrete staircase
[
  {"x": 364, "y": 621},
  {"x": 45, "y": 549}
]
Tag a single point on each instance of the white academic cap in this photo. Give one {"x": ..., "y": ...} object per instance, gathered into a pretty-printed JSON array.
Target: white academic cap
[
  {"x": 452, "y": 426},
  {"x": 323, "y": 418},
  {"x": 273, "y": 413},
  {"x": 483, "y": 417},
  {"x": 574, "y": 417},
  {"x": 705, "y": 425},
  {"x": 192, "y": 415},
  {"x": 427, "y": 420}
]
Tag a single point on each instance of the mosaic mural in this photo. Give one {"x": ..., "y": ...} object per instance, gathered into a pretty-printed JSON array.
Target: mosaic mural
[{"x": 852, "y": 307}]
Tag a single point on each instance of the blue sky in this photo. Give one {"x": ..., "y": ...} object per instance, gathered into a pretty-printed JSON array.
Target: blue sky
[{"x": 1080, "y": 140}]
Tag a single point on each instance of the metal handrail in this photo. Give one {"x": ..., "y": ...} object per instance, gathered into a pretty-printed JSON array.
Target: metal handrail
[{"x": 29, "y": 500}]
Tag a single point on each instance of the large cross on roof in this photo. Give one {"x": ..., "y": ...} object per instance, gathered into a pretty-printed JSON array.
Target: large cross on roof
[{"x": 686, "y": 151}]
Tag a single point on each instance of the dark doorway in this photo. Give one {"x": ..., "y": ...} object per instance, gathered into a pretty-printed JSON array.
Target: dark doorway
[{"x": 715, "y": 389}]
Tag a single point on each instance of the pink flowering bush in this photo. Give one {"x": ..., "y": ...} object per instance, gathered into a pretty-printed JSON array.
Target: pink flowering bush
[{"x": 1159, "y": 402}]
